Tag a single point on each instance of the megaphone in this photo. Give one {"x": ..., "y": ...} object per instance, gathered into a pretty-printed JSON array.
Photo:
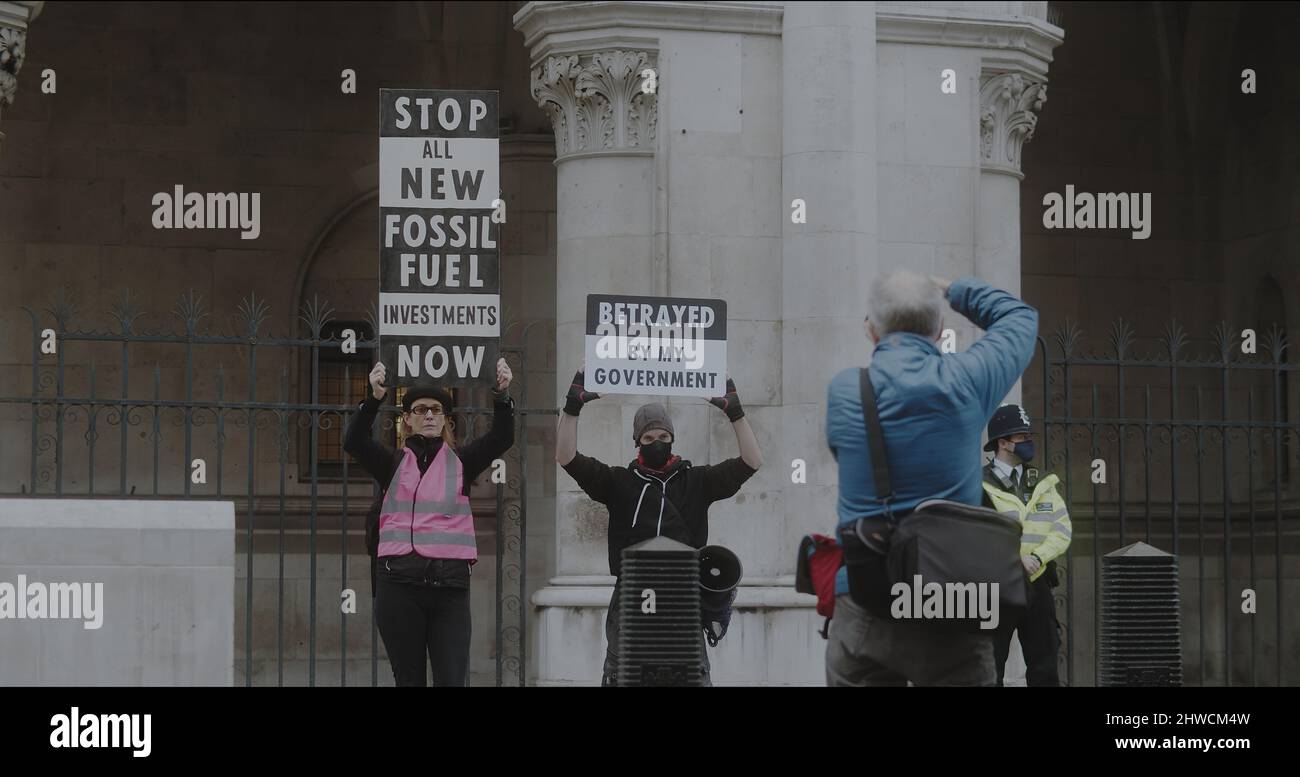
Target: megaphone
[{"x": 720, "y": 573}]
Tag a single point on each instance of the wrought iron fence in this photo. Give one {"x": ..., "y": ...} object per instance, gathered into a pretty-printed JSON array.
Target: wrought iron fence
[
  {"x": 225, "y": 417},
  {"x": 1198, "y": 440}
]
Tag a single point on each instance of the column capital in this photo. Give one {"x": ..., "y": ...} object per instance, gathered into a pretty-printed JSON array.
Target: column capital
[
  {"x": 597, "y": 103},
  {"x": 1009, "y": 102},
  {"x": 14, "y": 18}
]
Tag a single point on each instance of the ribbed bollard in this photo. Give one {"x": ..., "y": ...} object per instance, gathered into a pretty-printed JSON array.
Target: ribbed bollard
[
  {"x": 659, "y": 615},
  {"x": 1141, "y": 642}
]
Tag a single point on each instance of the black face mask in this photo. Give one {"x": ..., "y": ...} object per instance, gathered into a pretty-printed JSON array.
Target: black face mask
[{"x": 655, "y": 454}]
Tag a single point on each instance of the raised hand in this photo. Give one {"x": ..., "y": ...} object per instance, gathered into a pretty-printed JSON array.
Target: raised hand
[
  {"x": 729, "y": 403},
  {"x": 578, "y": 394},
  {"x": 377, "y": 377},
  {"x": 504, "y": 375}
]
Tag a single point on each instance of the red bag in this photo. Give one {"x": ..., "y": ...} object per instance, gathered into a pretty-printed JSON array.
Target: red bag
[{"x": 820, "y": 558}]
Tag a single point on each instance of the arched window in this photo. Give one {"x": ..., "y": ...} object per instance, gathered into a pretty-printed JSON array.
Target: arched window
[{"x": 342, "y": 379}]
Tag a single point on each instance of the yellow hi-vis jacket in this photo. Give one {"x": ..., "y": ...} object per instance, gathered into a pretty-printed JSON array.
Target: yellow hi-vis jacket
[{"x": 1045, "y": 522}]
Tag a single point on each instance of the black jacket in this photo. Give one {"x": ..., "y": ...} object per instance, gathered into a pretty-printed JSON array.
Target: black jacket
[
  {"x": 644, "y": 504},
  {"x": 381, "y": 462}
]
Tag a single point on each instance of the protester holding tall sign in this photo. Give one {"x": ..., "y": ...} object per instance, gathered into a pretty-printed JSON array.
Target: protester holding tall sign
[
  {"x": 439, "y": 318},
  {"x": 421, "y": 531},
  {"x": 440, "y": 262},
  {"x": 658, "y": 493}
]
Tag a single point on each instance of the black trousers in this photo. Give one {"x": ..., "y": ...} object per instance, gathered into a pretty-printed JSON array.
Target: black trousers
[
  {"x": 1039, "y": 637},
  {"x": 419, "y": 620}
]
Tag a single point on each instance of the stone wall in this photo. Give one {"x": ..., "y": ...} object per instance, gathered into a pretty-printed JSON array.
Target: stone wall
[
  {"x": 246, "y": 97},
  {"x": 156, "y": 574}
]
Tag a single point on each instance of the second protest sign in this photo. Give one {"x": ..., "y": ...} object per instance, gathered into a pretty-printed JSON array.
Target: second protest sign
[{"x": 670, "y": 346}]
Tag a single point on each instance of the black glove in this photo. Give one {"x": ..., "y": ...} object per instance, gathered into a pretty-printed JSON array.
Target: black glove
[
  {"x": 578, "y": 395},
  {"x": 729, "y": 402}
]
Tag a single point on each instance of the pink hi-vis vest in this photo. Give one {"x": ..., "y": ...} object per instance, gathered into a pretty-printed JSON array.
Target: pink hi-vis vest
[{"x": 427, "y": 513}]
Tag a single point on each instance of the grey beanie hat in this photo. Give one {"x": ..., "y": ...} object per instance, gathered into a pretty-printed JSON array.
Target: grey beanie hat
[{"x": 651, "y": 416}]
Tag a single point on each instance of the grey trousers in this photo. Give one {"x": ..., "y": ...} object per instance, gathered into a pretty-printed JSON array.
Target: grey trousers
[{"x": 863, "y": 650}]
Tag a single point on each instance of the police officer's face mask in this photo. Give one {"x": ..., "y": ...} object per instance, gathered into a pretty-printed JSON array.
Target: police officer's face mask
[{"x": 1025, "y": 450}]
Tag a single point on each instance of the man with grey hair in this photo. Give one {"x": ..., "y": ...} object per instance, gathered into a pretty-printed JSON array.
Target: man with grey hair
[
  {"x": 932, "y": 409},
  {"x": 904, "y": 301}
]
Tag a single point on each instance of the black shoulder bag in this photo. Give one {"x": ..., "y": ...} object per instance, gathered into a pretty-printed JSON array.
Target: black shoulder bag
[{"x": 941, "y": 541}]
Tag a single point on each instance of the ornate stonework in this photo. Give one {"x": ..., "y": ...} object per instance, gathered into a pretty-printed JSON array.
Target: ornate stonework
[
  {"x": 596, "y": 101},
  {"x": 14, "y": 20},
  {"x": 12, "y": 42},
  {"x": 1008, "y": 105}
]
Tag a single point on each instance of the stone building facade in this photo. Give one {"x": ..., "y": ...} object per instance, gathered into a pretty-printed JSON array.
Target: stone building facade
[{"x": 923, "y": 135}]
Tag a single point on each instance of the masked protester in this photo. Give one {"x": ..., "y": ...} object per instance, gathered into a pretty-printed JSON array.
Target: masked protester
[
  {"x": 423, "y": 541},
  {"x": 658, "y": 493}
]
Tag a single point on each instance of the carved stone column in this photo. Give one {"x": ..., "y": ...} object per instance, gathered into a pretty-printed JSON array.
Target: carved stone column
[
  {"x": 14, "y": 19},
  {"x": 605, "y": 125},
  {"x": 1009, "y": 102},
  {"x": 604, "y": 130}
]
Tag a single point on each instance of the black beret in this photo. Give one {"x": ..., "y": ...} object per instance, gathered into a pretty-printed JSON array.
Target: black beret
[{"x": 427, "y": 392}]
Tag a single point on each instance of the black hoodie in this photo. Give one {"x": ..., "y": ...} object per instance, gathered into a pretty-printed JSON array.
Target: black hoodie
[{"x": 645, "y": 503}]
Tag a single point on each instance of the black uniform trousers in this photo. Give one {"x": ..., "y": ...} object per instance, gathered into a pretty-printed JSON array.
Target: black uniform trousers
[{"x": 1039, "y": 636}]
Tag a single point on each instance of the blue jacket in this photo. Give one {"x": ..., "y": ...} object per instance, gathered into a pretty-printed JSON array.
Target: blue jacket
[{"x": 933, "y": 407}]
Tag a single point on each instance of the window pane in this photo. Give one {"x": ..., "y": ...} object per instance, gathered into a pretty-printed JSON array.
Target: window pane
[{"x": 334, "y": 389}]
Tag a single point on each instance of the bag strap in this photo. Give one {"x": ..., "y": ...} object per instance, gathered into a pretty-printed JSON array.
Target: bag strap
[{"x": 876, "y": 442}]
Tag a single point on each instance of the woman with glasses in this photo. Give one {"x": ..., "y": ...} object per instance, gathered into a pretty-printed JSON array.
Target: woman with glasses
[{"x": 424, "y": 543}]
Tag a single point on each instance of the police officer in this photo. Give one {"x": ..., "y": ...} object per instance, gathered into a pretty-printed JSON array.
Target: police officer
[{"x": 1012, "y": 488}]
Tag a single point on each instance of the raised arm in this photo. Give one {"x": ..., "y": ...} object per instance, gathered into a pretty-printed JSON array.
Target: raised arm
[
  {"x": 748, "y": 444},
  {"x": 374, "y": 456},
  {"x": 566, "y": 436},
  {"x": 997, "y": 360},
  {"x": 476, "y": 455},
  {"x": 592, "y": 475},
  {"x": 729, "y": 403}
]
